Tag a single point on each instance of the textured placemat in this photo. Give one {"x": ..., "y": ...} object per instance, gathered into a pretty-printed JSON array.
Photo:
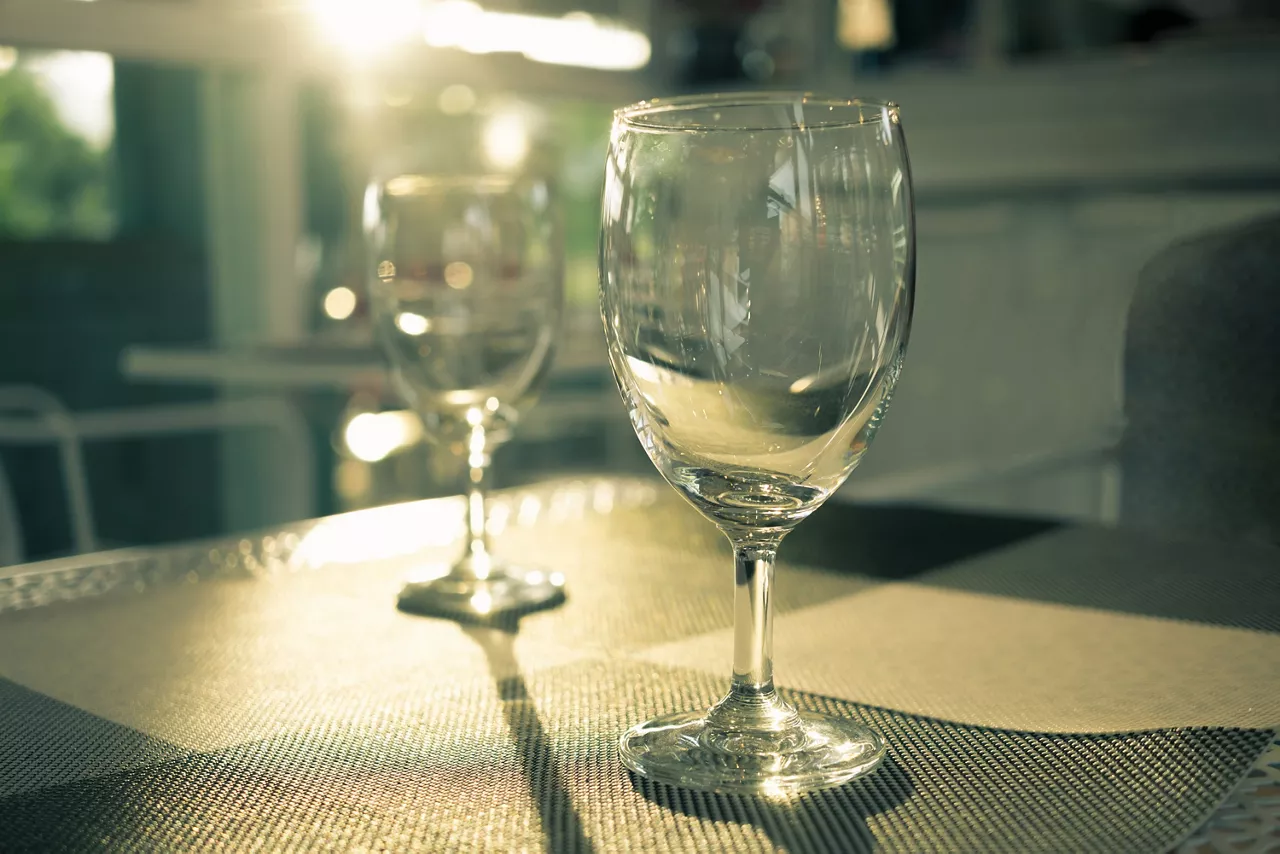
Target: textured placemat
[
  {"x": 512, "y": 766},
  {"x": 262, "y": 694},
  {"x": 47, "y": 743},
  {"x": 1249, "y": 818},
  {"x": 1006, "y": 662}
]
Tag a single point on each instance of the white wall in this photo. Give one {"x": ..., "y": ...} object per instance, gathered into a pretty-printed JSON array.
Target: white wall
[{"x": 1042, "y": 194}]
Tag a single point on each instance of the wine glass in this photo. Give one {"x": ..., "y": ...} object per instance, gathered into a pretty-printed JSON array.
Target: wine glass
[
  {"x": 467, "y": 288},
  {"x": 757, "y": 273}
]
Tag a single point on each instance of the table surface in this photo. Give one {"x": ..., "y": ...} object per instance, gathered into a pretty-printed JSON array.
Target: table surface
[
  {"x": 1041, "y": 687},
  {"x": 326, "y": 364}
]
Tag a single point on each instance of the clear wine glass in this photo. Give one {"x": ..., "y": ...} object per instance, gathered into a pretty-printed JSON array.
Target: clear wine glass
[
  {"x": 757, "y": 275},
  {"x": 467, "y": 287}
]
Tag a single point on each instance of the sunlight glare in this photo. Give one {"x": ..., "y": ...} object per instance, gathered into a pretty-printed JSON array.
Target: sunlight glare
[
  {"x": 363, "y": 28},
  {"x": 506, "y": 140},
  {"x": 374, "y": 436},
  {"x": 339, "y": 303},
  {"x": 575, "y": 39},
  {"x": 412, "y": 324}
]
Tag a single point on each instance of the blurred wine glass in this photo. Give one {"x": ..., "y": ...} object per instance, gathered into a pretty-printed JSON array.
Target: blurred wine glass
[
  {"x": 757, "y": 276},
  {"x": 467, "y": 290}
]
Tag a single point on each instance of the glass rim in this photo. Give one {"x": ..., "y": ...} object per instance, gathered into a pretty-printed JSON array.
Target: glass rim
[{"x": 644, "y": 114}]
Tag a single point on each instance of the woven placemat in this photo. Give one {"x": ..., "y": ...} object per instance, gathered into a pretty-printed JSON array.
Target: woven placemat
[
  {"x": 513, "y": 766},
  {"x": 262, "y": 694}
]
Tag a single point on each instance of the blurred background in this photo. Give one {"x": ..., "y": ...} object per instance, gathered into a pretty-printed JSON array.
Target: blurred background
[{"x": 185, "y": 347}]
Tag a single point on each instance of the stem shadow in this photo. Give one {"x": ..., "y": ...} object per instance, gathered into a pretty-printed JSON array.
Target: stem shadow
[
  {"x": 828, "y": 820},
  {"x": 561, "y": 824}
]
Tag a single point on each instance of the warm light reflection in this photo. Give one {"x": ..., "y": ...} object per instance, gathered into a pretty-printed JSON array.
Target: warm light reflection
[
  {"x": 602, "y": 499},
  {"x": 381, "y": 533},
  {"x": 647, "y": 372},
  {"x": 339, "y": 303},
  {"x": 365, "y": 27},
  {"x": 576, "y": 39},
  {"x": 400, "y": 530},
  {"x": 865, "y": 25},
  {"x": 530, "y": 507},
  {"x": 802, "y": 385},
  {"x": 499, "y": 515},
  {"x": 506, "y": 140},
  {"x": 412, "y": 324},
  {"x": 80, "y": 84},
  {"x": 771, "y": 790},
  {"x": 458, "y": 275},
  {"x": 375, "y": 436},
  {"x": 482, "y": 602},
  {"x": 456, "y": 100},
  {"x": 371, "y": 210},
  {"x": 352, "y": 479},
  {"x": 477, "y": 446}
]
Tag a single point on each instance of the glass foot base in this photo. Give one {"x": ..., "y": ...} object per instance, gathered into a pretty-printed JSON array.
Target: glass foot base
[
  {"x": 816, "y": 752},
  {"x": 505, "y": 591}
]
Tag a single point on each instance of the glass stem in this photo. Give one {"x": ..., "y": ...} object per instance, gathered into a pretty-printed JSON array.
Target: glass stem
[
  {"x": 752, "y": 702},
  {"x": 477, "y": 563},
  {"x": 753, "y": 617}
]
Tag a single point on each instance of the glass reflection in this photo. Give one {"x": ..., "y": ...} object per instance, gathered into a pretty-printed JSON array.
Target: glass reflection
[
  {"x": 466, "y": 301},
  {"x": 756, "y": 288}
]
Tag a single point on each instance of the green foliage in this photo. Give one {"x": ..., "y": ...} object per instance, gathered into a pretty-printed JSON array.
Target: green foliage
[
  {"x": 582, "y": 130},
  {"x": 52, "y": 182}
]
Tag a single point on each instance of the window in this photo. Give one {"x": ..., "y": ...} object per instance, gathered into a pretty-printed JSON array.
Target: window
[{"x": 57, "y": 128}]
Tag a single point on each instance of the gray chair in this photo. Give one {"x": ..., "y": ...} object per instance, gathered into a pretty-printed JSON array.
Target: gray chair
[
  {"x": 10, "y": 530},
  {"x": 44, "y": 420},
  {"x": 1201, "y": 450}
]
